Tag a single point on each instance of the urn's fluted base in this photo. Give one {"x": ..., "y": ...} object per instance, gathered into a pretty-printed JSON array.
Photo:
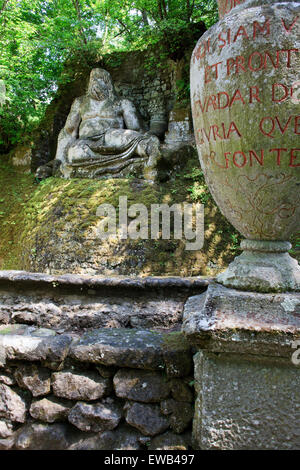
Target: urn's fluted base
[{"x": 264, "y": 266}]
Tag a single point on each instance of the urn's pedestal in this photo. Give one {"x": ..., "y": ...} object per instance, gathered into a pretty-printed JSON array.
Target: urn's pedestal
[{"x": 246, "y": 372}]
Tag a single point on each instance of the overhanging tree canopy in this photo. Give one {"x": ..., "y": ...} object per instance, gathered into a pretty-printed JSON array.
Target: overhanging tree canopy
[{"x": 39, "y": 36}]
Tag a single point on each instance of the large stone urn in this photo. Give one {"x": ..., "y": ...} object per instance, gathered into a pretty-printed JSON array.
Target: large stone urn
[{"x": 245, "y": 102}]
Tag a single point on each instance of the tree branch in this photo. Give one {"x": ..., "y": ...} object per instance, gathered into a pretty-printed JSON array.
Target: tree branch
[
  {"x": 160, "y": 10},
  {"x": 165, "y": 8},
  {"x": 145, "y": 17},
  {"x": 78, "y": 12},
  {"x": 4, "y": 5}
]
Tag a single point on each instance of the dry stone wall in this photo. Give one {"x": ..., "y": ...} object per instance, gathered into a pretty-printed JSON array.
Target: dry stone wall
[
  {"x": 66, "y": 383},
  {"x": 106, "y": 389},
  {"x": 152, "y": 90}
]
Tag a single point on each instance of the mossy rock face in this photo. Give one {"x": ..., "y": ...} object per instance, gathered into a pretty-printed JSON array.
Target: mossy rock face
[{"x": 51, "y": 227}]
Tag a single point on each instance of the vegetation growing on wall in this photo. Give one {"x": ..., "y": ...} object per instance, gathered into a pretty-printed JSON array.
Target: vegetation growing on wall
[{"x": 59, "y": 215}]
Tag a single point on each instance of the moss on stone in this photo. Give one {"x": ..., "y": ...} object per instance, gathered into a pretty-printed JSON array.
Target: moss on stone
[
  {"x": 175, "y": 340},
  {"x": 50, "y": 227}
]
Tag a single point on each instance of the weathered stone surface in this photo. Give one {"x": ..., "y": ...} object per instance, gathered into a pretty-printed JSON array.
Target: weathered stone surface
[
  {"x": 6, "y": 428},
  {"x": 229, "y": 320},
  {"x": 169, "y": 441},
  {"x": 123, "y": 438},
  {"x": 39, "y": 280},
  {"x": 140, "y": 349},
  {"x": 93, "y": 442},
  {"x": 125, "y": 348},
  {"x": 146, "y": 418},
  {"x": 20, "y": 343},
  {"x": 6, "y": 444},
  {"x": 177, "y": 355},
  {"x": 96, "y": 302},
  {"x": 79, "y": 385},
  {"x": 181, "y": 414},
  {"x": 6, "y": 377},
  {"x": 246, "y": 403},
  {"x": 12, "y": 406},
  {"x": 106, "y": 372},
  {"x": 181, "y": 391},
  {"x": 97, "y": 310},
  {"x": 257, "y": 193},
  {"x": 33, "y": 378},
  {"x": 44, "y": 437},
  {"x": 26, "y": 330},
  {"x": 2, "y": 356},
  {"x": 264, "y": 266},
  {"x": 98, "y": 417},
  {"x": 50, "y": 410},
  {"x": 4, "y": 315},
  {"x": 76, "y": 150},
  {"x": 144, "y": 386}
]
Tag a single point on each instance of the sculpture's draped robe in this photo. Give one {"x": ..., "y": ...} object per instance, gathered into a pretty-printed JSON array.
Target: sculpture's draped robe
[{"x": 111, "y": 158}]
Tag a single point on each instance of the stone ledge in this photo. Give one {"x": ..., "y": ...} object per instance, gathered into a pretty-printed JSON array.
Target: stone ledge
[
  {"x": 71, "y": 303},
  {"x": 98, "y": 282},
  {"x": 132, "y": 348},
  {"x": 120, "y": 347},
  {"x": 228, "y": 320}
]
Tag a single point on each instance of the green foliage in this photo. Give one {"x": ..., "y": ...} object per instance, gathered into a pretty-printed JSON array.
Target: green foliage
[
  {"x": 198, "y": 190},
  {"x": 37, "y": 39},
  {"x": 45, "y": 43}
]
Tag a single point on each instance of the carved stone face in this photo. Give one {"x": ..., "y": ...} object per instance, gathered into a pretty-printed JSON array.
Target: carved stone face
[{"x": 100, "y": 85}]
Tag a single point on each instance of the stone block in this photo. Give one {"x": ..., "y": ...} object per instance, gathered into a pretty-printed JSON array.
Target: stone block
[
  {"x": 122, "y": 438},
  {"x": 80, "y": 385},
  {"x": 141, "y": 349},
  {"x": 229, "y": 320},
  {"x": 6, "y": 428},
  {"x": 97, "y": 417},
  {"x": 247, "y": 385},
  {"x": 146, "y": 418},
  {"x": 38, "y": 436},
  {"x": 12, "y": 405},
  {"x": 246, "y": 404},
  {"x": 169, "y": 441},
  {"x": 50, "y": 410},
  {"x": 33, "y": 378},
  {"x": 143, "y": 386},
  {"x": 22, "y": 343}
]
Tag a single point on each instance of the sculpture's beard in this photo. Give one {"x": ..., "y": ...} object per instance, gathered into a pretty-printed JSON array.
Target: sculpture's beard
[{"x": 98, "y": 93}]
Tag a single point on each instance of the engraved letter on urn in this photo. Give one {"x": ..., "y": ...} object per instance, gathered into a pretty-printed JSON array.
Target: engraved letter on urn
[{"x": 245, "y": 90}]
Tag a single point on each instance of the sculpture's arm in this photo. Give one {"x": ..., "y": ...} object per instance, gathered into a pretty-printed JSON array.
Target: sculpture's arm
[
  {"x": 130, "y": 116},
  {"x": 70, "y": 132},
  {"x": 74, "y": 118}
]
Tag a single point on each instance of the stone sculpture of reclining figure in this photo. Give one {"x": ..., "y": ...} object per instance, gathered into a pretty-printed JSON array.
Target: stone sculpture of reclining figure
[{"x": 103, "y": 135}]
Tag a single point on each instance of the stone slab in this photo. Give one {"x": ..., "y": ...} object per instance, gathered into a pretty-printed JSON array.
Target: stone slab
[
  {"x": 245, "y": 405},
  {"x": 228, "y": 320},
  {"x": 98, "y": 282},
  {"x": 20, "y": 342},
  {"x": 144, "y": 386},
  {"x": 133, "y": 348},
  {"x": 141, "y": 349}
]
